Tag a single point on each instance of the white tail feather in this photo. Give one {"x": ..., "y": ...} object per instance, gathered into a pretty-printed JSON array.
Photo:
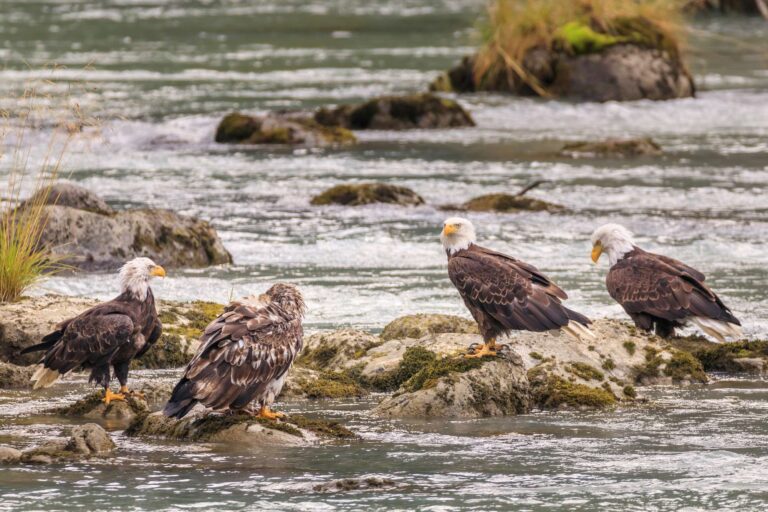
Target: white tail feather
[
  {"x": 718, "y": 329},
  {"x": 578, "y": 331},
  {"x": 44, "y": 377}
]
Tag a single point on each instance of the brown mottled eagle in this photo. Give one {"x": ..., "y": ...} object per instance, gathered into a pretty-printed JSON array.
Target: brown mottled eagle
[
  {"x": 502, "y": 293},
  {"x": 244, "y": 355},
  {"x": 108, "y": 335},
  {"x": 657, "y": 292}
]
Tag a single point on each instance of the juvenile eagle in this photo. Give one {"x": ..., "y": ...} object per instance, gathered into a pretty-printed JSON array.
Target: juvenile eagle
[
  {"x": 502, "y": 293},
  {"x": 657, "y": 292},
  {"x": 244, "y": 355},
  {"x": 108, "y": 335}
]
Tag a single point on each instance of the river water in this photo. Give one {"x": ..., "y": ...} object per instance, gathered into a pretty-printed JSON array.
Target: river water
[{"x": 160, "y": 74}]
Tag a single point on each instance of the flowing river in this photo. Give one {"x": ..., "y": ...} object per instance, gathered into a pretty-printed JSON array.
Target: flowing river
[{"x": 160, "y": 74}]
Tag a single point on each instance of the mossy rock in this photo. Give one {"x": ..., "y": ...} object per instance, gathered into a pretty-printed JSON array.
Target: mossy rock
[
  {"x": 415, "y": 360},
  {"x": 551, "y": 391},
  {"x": 92, "y": 406},
  {"x": 368, "y": 193},
  {"x": 585, "y": 371},
  {"x": 681, "y": 366},
  {"x": 330, "y": 385},
  {"x": 336, "y": 351},
  {"x": 422, "y": 111},
  {"x": 734, "y": 357},
  {"x": 420, "y": 325},
  {"x": 622, "y": 148},
  {"x": 280, "y": 129},
  {"x": 508, "y": 203}
]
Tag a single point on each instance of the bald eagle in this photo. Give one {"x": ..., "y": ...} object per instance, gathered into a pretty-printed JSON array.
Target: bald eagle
[
  {"x": 244, "y": 355},
  {"x": 659, "y": 293},
  {"x": 502, "y": 293},
  {"x": 108, "y": 335}
]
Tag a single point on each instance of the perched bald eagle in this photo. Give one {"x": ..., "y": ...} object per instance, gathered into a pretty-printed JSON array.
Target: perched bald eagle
[
  {"x": 502, "y": 293},
  {"x": 244, "y": 355},
  {"x": 657, "y": 292},
  {"x": 108, "y": 335}
]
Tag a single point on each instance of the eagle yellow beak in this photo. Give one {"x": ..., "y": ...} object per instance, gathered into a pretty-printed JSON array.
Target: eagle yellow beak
[
  {"x": 449, "y": 229},
  {"x": 157, "y": 271},
  {"x": 597, "y": 250}
]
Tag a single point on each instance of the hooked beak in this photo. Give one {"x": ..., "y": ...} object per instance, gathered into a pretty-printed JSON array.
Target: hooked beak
[
  {"x": 449, "y": 229},
  {"x": 157, "y": 271},
  {"x": 597, "y": 250}
]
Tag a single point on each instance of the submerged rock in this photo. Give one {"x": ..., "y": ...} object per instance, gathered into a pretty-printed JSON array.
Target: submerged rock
[
  {"x": 355, "y": 484},
  {"x": 13, "y": 376},
  {"x": 280, "y": 129},
  {"x": 368, "y": 193},
  {"x": 238, "y": 428},
  {"x": 397, "y": 113},
  {"x": 89, "y": 440},
  {"x": 509, "y": 203},
  {"x": 624, "y": 148},
  {"x": 420, "y": 325}
]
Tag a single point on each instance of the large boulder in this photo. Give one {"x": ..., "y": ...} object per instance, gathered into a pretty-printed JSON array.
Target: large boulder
[
  {"x": 397, "y": 113},
  {"x": 368, "y": 193},
  {"x": 280, "y": 129},
  {"x": 63, "y": 193}
]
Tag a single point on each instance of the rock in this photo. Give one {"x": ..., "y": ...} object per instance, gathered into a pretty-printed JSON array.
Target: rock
[
  {"x": 240, "y": 429},
  {"x": 472, "y": 388},
  {"x": 397, "y": 113},
  {"x": 9, "y": 455},
  {"x": 734, "y": 357},
  {"x": 24, "y": 323},
  {"x": 368, "y": 193},
  {"x": 355, "y": 484},
  {"x": 508, "y": 203},
  {"x": 749, "y": 7},
  {"x": 12, "y": 376},
  {"x": 639, "y": 61},
  {"x": 92, "y": 407},
  {"x": 420, "y": 325},
  {"x": 623, "y": 148},
  {"x": 336, "y": 351},
  {"x": 89, "y": 440},
  {"x": 74, "y": 196},
  {"x": 93, "y": 241},
  {"x": 303, "y": 382},
  {"x": 280, "y": 129}
]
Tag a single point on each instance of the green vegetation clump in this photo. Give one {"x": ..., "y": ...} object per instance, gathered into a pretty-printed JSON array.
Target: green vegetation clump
[
  {"x": 321, "y": 427},
  {"x": 332, "y": 385},
  {"x": 650, "y": 369},
  {"x": 167, "y": 352},
  {"x": 609, "y": 364},
  {"x": 551, "y": 391},
  {"x": 536, "y": 355},
  {"x": 510, "y": 203},
  {"x": 428, "y": 376},
  {"x": 414, "y": 360},
  {"x": 683, "y": 366},
  {"x": 630, "y": 347},
  {"x": 367, "y": 193},
  {"x": 319, "y": 357},
  {"x": 585, "y": 371},
  {"x": 629, "y": 392},
  {"x": 721, "y": 357}
]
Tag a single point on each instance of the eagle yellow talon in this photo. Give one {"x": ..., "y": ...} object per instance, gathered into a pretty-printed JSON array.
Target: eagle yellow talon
[
  {"x": 266, "y": 413},
  {"x": 487, "y": 349},
  {"x": 109, "y": 396},
  {"x": 127, "y": 392}
]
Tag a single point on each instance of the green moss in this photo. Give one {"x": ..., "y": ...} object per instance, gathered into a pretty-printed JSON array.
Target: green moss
[
  {"x": 429, "y": 375},
  {"x": 683, "y": 366},
  {"x": 323, "y": 428},
  {"x": 168, "y": 352},
  {"x": 332, "y": 385},
  {"x": 608, "y": 364},
  {"x": 82, "y": 406},
  {"x": 720, "y": 357},
  {"x": 630, "y": 347},
  {"x": 319, "y": 357},
  {"x": 536, "y": 355},
  {"x": 650, "y": 369},
  {"x": 579, "y": 38},
  {"x": 367, "y": 193},
  {"x": 585, "y": 371},
  {"x": 208, "y": 426},
  {"x": 203, "y": 313},
  {"x": 508, "y": 203},
  {"x": 629, "y": 392},
  {"x": 551, "y": 391},
  {"x": 414, "y": 360},
  {"x": 236, "y": 127}
]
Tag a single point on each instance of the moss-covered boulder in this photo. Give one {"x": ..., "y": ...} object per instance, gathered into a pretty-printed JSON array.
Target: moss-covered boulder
[
  {"x": 368, "y": 193},
  {"x": 304, "y": 382},
  {"x": 621, "y": 148},
  {"x": 630, "y": 58},
  {"x": 420, "y": 325},
  {"x": 277, "y": 129},
  {"x": 509, "y": 203},
  {"x": 397, "y": 113},
  {"x": 240, "y": 429},
  {"x": 455, "y": 387},
  {"x": 550, "y": 390},
  {"x": 335, "y": 351}
]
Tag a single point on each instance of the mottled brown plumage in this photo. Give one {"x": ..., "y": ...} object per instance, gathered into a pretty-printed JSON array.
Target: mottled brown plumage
[
  {"x": 661, "y": 293},
  {"x": 244, "y": 354},
  {"x": 505, "y": 294}
]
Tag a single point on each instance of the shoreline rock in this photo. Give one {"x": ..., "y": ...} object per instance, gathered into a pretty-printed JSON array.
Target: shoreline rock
[{"x": 414, "y": 111}]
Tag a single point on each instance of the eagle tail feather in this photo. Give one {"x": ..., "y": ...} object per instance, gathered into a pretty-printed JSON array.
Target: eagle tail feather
[
  {"x": 44, "y": 377},
  {"x": 718, "y": 329},
  {"x": 578, "y": 331},
  {"x": 182, "y": 400},
  {"x": 47, "y": 342}
]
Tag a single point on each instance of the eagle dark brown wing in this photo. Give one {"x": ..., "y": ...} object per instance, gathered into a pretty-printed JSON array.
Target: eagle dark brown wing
[
  {"x": 505, "y": 294},
  {"x": 242, "y": 353},
  {"x": 648, "y": 284}
]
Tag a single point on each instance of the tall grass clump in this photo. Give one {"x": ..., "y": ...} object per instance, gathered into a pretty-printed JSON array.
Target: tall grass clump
[
  {"x": 31, "y": 167},
  {"x": 513, "y": 28}
]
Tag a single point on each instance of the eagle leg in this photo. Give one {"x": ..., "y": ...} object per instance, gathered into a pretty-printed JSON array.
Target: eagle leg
[
  {"x": 266, "y": 413},
  {"x": 487, "y": 349},
  {"x": 109, "y": 396},
  {"x": 125, "y": 391}
]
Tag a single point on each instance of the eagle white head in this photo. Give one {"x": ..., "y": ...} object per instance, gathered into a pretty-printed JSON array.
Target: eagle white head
[
  {"x": 614, "y": 240},
  {"x": 135, "y": 276},
  {"x": 458, "y": 234}
]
